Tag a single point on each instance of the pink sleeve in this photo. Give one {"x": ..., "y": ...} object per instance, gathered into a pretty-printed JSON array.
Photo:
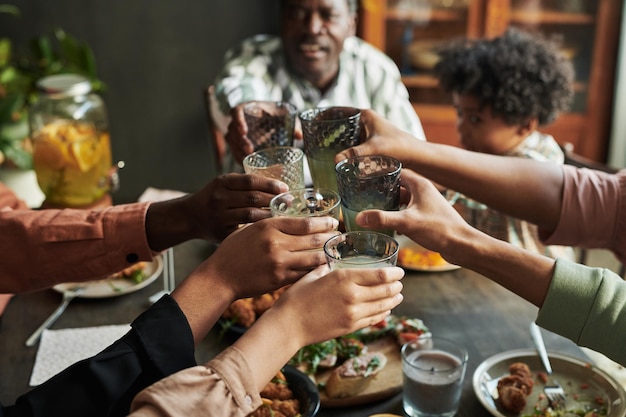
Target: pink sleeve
[
  {"x": 593, "y": 213},
  {"x": 223, "y": 386},
  {"x": 44, "y": 247}
]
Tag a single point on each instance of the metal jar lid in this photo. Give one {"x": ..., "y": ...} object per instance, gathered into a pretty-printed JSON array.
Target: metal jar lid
[{"x": 64, "y": 85}]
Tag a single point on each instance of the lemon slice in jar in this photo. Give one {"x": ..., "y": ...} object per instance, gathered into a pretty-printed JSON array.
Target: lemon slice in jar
[
  {"x": 86, "y": 153},
  {"x": 48, "y": 155}
]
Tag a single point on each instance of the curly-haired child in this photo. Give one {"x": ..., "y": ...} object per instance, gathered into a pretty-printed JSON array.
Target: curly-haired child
[{"x": 504, "y": 89}]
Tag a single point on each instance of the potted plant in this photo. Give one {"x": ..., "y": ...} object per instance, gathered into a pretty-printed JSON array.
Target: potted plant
[{"x": 55, "y": 53}]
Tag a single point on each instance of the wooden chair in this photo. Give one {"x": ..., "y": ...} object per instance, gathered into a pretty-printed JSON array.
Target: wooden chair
[
  {"x": 219, "y": 141},
  {"x": 572, "y": 158}
]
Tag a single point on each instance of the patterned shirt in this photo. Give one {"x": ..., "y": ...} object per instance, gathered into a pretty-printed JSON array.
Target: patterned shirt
[
  {"x": 537, "y": 146},
  {"x": 257, "y": 70}
]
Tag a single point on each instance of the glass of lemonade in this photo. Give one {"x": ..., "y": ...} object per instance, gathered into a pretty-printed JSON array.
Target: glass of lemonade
[
  {"x": 361, "y": 249},
  {"x": 368, "y": 182},
  {"x": 326, "y": 132}
]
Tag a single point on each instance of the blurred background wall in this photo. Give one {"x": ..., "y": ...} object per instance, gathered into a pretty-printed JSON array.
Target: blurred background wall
[{"x": 156, "y": 57}]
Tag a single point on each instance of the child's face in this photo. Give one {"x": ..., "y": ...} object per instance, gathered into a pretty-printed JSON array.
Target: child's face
[{"x": 480, "y": 131}]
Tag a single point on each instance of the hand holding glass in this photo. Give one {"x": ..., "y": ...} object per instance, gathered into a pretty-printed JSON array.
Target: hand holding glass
[{"x": 368, "y": 182}]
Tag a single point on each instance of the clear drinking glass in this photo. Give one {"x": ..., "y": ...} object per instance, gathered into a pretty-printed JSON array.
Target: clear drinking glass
[
  {"x": 433, "y": 369},
  {"x": 270, "y": 123},
  {"x": 284, "y": 163},
  {"x": 307, "y": 202},
  {"x": 326, "y": 132},
  {"x": 361, "y": 249},
  {"x": 368, "y": 182}
]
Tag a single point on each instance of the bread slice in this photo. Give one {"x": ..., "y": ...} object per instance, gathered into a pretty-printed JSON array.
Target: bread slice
[{"x": 354, "y": 375}]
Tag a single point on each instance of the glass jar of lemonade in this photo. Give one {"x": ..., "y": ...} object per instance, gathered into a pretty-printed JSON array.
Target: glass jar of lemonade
[{"x": 71, "y": 146}]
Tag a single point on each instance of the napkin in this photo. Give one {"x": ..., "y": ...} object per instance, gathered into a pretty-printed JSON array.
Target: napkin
[
  {"x": 156, "y": 194},
  {"x": 59, "y": 349}
]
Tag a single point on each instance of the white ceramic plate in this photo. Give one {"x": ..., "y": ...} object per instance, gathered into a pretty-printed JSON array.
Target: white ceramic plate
[
  {"x": 105, "y": 288},
  {"x": 572, "y": 373},
  {"x": 406, "y": 243}
]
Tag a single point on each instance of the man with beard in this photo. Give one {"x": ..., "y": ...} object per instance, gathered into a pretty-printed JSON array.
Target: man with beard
[{"x": 316, "y": 62}]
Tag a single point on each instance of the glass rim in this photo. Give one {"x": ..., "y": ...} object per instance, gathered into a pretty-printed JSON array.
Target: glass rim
[
  {"x": 325, "y": 191},
  {"x": 308, "y": 115},
  {"x": 271, "y": 149},
  {"x": 463, "y": 359},
  {"x": 341, "y": 237},
  {"x": 292, "y": 110},
  {"x": 397, "y": 163}
]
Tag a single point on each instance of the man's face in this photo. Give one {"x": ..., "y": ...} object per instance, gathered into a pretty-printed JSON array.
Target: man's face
[{"x": 313, "y": 32}]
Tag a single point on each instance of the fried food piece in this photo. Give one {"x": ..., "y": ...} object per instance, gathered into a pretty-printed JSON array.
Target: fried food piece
[
  {"x": 521, "y": 369},
  {"x": 289, "y": 408},
  {"x": 242, "y": 311},
  {"x": 276, "y": 391},
  {"x": 262, "y": 303},
  {"x": 513, "y": 390},
  {"x": 512, "y": 398},
  {"x": 524, "y": 384}
]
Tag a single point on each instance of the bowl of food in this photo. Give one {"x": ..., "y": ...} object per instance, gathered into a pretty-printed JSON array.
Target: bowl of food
[{"x": 302, "y": 396}]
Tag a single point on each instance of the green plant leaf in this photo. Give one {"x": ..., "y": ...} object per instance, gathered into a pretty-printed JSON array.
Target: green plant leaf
[
  {"x": 9, "y": 9},
  {"x": 5, "y": 52}
]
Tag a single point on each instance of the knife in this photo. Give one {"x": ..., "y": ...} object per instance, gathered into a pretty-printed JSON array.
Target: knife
[{"x": 535, "y": 332}]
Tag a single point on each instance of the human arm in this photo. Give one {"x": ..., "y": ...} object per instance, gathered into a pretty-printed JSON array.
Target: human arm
[
  {"x": 522, "y": 188},
  {"x": 162, "y": 339},
  {"x": 95, "y": 243},
  {"x": 213, "y": 212},
  {"x": 584, "y": 304},
  {"x": 318, "y": 307},
  {"x": 430, "y": 221},
  {"x": 278, "y": 251}
]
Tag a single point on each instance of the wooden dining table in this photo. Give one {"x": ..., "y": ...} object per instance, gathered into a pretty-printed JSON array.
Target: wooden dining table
[{"x": 460, "y": 305}]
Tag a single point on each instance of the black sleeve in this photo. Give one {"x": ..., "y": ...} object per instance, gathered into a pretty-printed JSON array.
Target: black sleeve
[{"x": 159, "y": 344}]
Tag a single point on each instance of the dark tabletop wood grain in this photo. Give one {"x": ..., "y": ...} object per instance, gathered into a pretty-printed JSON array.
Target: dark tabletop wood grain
[{"x": 459, "y": 305}]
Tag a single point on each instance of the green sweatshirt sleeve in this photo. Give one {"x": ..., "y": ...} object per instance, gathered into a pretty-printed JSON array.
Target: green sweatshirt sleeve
[{"x": 588, "y": 306}]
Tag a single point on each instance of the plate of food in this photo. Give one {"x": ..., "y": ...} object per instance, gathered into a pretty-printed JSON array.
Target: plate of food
[
  {"x": 290, "y": 392},
  {"x": 129, "y": 280},
  {"x": 362, "y": 367},
  {"x": 417, "y": 258},
  {"x": 510, "y": 384}
]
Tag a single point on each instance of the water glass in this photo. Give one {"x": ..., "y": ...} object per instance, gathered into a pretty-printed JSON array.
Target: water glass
[
  {"x": 284, "y": 163},
  {"x": 270, "y": 123},
  {"x": 326, "y": 132},
  {"x": 433, "y": 369},
  {"x": 307, "y": 202},
  {"x": 361, "y": 249},
  {"x": 368, "y": 182}
]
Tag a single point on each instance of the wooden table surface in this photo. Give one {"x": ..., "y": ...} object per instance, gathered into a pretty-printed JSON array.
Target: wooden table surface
[{"x": 459, "y": 305}]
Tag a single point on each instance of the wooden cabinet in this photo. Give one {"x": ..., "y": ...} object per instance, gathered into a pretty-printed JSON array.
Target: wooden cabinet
[{"x": 407, "y": 30}]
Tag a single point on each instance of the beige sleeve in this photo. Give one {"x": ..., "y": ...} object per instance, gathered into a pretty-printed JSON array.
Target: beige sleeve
[{"x": 222, "y": 387}]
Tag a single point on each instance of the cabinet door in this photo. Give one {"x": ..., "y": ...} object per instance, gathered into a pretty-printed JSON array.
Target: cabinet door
[
  {"x": 409, "y": 31},
  {"x": 588, "y": 31}
]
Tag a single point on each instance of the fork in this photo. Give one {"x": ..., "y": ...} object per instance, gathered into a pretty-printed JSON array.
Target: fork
[
  {"x": 554, "y": 392},
  {"x": 68, "y": 295}
]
